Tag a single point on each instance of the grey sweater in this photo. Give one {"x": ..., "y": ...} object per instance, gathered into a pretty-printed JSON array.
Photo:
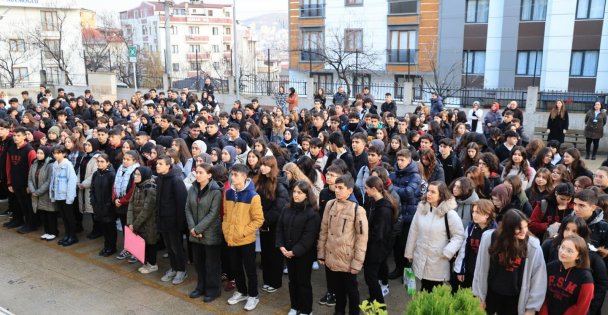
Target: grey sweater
[{"x": 534, "y": 282}]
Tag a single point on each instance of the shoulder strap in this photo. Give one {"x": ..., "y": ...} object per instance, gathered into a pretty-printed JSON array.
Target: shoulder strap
[{"x": 447, "y": 226}]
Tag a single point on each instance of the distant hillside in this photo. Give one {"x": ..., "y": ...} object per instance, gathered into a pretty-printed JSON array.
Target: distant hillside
[
  {"x": 278, "y": 20},
  {"x": 271, "y": 31}
]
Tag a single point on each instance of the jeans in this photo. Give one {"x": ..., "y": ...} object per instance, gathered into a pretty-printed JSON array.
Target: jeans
[
  {"x": 208, "y": 268},
  {"x": 173, "y": 242},
  {"x": 244, "y": 257}
]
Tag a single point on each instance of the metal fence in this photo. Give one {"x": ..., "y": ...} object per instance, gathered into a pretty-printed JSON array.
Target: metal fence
[
  {"x": 575, "y": 101},
  {"x": 466, "y": 97},
  {"x": 197, "y": 84},
  {"x": 255, "y": 86},
  {"x": 378, "y": 90}
]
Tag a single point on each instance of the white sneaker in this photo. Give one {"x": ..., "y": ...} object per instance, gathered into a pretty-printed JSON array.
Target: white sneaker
[
  {"x": 285, "y": 270},
  {"x": 50, "y": 237},
  {"x": 237, "y": 297},
  {"x": 44, "y": 236},
  {"x": 315, "y": 265},
  {"x": 265, "y": 287},
  {"x": 169, "y": 275},
  {"x": 252, "y": 302},
  {"x": 270, "y": 289},
  {"x": 292, "y": 312},
  {"x": 147, "y": 268}
]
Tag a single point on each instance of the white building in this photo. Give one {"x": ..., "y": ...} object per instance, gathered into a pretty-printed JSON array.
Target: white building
[
  {"x": 29, "y": 43},
  {"x": 200, "y": 32}
]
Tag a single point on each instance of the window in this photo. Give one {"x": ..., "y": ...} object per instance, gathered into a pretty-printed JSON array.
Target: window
[
  {"x": 144, "y": 30},
  {"x": 175, "y": 49},
  {"x": 195, "y": 48},
  {"x": 353, "y": 40},
  {"x": 402, "y": 48},
  {"x": 322, "y": 80},
  {"x": 210, "y": 13},
  {"x": 52, "y": 48},
  {"x": 17, "y": 45},
  {"x": 402, "y": 6},
  {"x": 173, "y": 30},
  {"x": 176, "y": 67},
  {"x": 228, "y": 31},
  {"x": 353, "y": 2},
  {"x": 533, "y": 10},
  {"x": 194, "y": 30},
  {"x": 474, "y": 62},
  {"x": 312, "y": 44},
  {"x": 195, "y": 65},
  {"x": 529, "y": 63},
  {"x": 216, "y": 48},
  {"x": 215, "y": 31},
  {"x": 179, "y": 11},
  {"x": 52, "y": 74},
  {"x": 477, "y": 11},
  {"x": 20, "y": 73},
  {"x": 49, "y": 20},
  {"x": 590, "y": 9},
  {"x": 216, "y": 65},
  {"x": 584, "y": 63},
  {"x": 228, "y": 47},
  {"x": 360, "y": 81},
  {"x": 227, "y": 13},
  {"x": 312, "y": 8}
]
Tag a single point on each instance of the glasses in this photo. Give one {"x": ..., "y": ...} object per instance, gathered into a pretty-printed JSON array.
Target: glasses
[
  {"x": 135, "y": 174},
  {"x": 567, "y": 250}
]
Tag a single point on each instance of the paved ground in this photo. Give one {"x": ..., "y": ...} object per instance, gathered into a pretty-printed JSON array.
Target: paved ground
[{"x": 39, "y": 277}]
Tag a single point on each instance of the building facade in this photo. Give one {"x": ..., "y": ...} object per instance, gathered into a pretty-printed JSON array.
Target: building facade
[
  {"x": 30, "y": 48},
  {"x": 381, "y": 41},
  {"x": 557, "y": 45},
  {"x": 201, "y": 35}
]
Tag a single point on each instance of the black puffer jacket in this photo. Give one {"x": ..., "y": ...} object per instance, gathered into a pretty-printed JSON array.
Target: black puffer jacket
[
  {"x": 298, "y": 229},
  {"x": 380, "y": 222},
  {"x": 101, "y": 195},
  {"x": 273, "y": 208},
  {"x": 171, "y": 202}
]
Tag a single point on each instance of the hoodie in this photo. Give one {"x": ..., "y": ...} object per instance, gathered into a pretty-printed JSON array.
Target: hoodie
[
  {"x": 380, "y": 222},
  {"x": 243, "y": 215},
  {"x": 171, "y": 216}
]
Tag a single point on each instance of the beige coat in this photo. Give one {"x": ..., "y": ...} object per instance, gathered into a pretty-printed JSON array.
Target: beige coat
[
  {"x": 84, "y": 195},
  {"x": 343, "y": 238}
]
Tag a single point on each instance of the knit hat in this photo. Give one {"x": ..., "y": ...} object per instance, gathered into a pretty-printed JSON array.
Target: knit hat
[
  {"x": 55, "y": 130},
  {"x": 201, "y": 145},
  {"x": 146, "y": 173},
  {"x": 38, "y": 135},
  {"x": 379, "y": 143},
  {"x": 165, "y": 141}
]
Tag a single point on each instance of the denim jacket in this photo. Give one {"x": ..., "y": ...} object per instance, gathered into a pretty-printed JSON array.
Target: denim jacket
[{"x": 63, "y": 182}]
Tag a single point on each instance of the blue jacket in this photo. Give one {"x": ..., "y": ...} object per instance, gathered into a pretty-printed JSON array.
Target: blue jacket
[
  {"x": 63, "y": 182},
  {"x": 407, "y": 184},
  {"x": 436, "y": 106}
]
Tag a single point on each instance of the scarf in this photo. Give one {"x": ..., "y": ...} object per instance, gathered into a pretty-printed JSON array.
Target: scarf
[{"x": 121, "y": 181}]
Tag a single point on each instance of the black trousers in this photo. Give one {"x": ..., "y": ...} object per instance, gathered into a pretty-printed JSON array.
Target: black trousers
[
  {"x": 49, "y": 221},
  {"x": 330, "y": 285},
  {"x": 596, "y": 143},
  {"x": 399, "y": 247},
  {"x": 23, "y": 209},
  {"x": 501, "y": 304},
  {"x": 208, "y": 267},
  {"x": 174, "y": 244},
  {"x": 108, "y": 229},
  {"x": 272, "y": 259},
  {"x": 226, "y": 266},
  {"x": 300, "y": 288},
  {"x": 372, "y": 272},
  {"x": 69, "y": 221},
  {"x": 428, "y": 285},
  {"x": 244, "y": 257},
  {"x": 345, "y": 284},
  {"x": 151, "y": 254}
]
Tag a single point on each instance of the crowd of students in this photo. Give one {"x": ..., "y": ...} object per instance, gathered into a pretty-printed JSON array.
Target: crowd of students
[{"x": 460, "y": 196}]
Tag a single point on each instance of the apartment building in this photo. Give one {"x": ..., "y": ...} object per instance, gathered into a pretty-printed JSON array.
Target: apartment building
[
  {"x": 385, "y": 41},
  {"x": 556, "y": 45},
  {"x": 201, "y": 35},
  {"x": 30, "y": 48}
]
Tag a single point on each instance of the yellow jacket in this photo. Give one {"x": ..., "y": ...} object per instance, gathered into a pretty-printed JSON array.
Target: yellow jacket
[{"x": 243, "y": 215}]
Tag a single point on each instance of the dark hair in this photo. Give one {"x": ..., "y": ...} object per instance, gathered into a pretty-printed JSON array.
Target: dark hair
[
  {"x": 466, "y": 186},
  {"x": 60, "y": 149},
  {"x": 491, "y": 161},
  {"x": 219, "y": 173},
  {"x": 266, "y": 185},
  {"x": 347, "y": 180},
  {"x": 444, "y": 192},
  {"x": 587, "y": 195},
  {"x": 240, "y": 168},
  {"x": 337, "y": 139},
  {"x": 307, "y": 166},
  {"x": 306, "y": 188},
  {"x": 582, "y": 229},
  {"x": 506, "y": 247},
  {"x": 378, "y": 184},
  {"x": 21, "y": 130},
  {"x": 428, "y": 170}
]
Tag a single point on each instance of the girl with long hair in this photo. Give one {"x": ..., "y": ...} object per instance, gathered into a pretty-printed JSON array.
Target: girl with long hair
[
  {"x": 464, "y": 192},
  {"x": 459, "y": 131},
  {"x": 475, "y": 174},
  {"x": 433, "y": 171},
  {"x": 574, "y": 164},
  {"x": 549, "y": 212},
  {"x": 542, "y": 159},
  {"x": 296, "y": 236},
  {"x": 253, "y": 162},
  {"x": 394, "y": 146},
  {"x": 122, "y": 191},
  {"x": 595, "y": 120},
  {"x": 179, "y": 145},
  {"x": 101, "y": 202},
  {"x": 470, "y": 156},
  {"x": 274, "y": 195},
  {"x": 559, "y": 175},
  {"x": 518, "y": 165},
  {"x": 541, "y": 187},
  {"x": 510, "y": 275},
  {"x": 293, "y": 174},
  {"x": 557, "y": 123},
  {"x": 307, "y": 166},
  {"x": 383, "y": 212}
]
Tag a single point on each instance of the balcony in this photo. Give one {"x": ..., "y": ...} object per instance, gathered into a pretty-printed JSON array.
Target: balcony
[
  {"x": 399, "y": 7},
  {"x": 227, "y": 38},
  {"x": 402, "y": 56},
  {"x": 314, "y": 55},
  {"x": 312, "y": 10},
  {"x": 197, "y": 38},
  {"x": 193, "y": 57}
]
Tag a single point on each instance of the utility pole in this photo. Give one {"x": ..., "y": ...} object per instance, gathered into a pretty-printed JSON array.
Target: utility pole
[
  {"x": 236, "y": 52},
  {"x": 268, "y": 67},
  {"x": 168, "y": 50},
  {"x": 198, "y": 78}
]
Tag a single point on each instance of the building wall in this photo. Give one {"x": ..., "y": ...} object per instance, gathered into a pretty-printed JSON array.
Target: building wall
[
  {"x": 602, "y": 67},
  {"x": 451, "y": 38},
  {"x": 503, "y": 22},
  {"x": 557, "y": 50}
]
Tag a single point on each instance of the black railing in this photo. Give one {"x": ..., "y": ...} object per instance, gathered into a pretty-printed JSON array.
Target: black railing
[
  {"x": 466, "y": 97},
  {"x": 377, "y": 90},
  {"x": 311, "y": 55},
  {"x": 402, "y": 56},
  {"x": 255, "y": 86},
  {"x": 197, "y": 84},
  {"x": 402, "y": 7},
  {"x": 577, "y": 102},
  {"x": 312, "y": 10}
]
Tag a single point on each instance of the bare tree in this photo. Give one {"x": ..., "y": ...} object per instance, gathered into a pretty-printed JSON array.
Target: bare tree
[
  {"x": 345, "y": 58},
  {"x": 14, "y": 52}
]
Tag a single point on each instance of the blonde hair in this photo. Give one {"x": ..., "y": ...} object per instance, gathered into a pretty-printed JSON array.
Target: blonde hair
[{"x": 296, "y": 173}]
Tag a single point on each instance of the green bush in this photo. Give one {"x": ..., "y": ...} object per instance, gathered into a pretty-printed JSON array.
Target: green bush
[{"x": 441, "y": 302}]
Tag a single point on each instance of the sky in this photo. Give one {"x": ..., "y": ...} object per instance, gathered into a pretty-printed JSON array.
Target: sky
[{"x": 244, "y": 8}]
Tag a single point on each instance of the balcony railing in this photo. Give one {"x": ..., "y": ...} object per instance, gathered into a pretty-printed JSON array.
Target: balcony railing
[
  {"x": 312, "y": 10},
  {"x": 402, "y": 56},
  {"x": 402, "y": 7},
  {"x": 311, "y": 55}
]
